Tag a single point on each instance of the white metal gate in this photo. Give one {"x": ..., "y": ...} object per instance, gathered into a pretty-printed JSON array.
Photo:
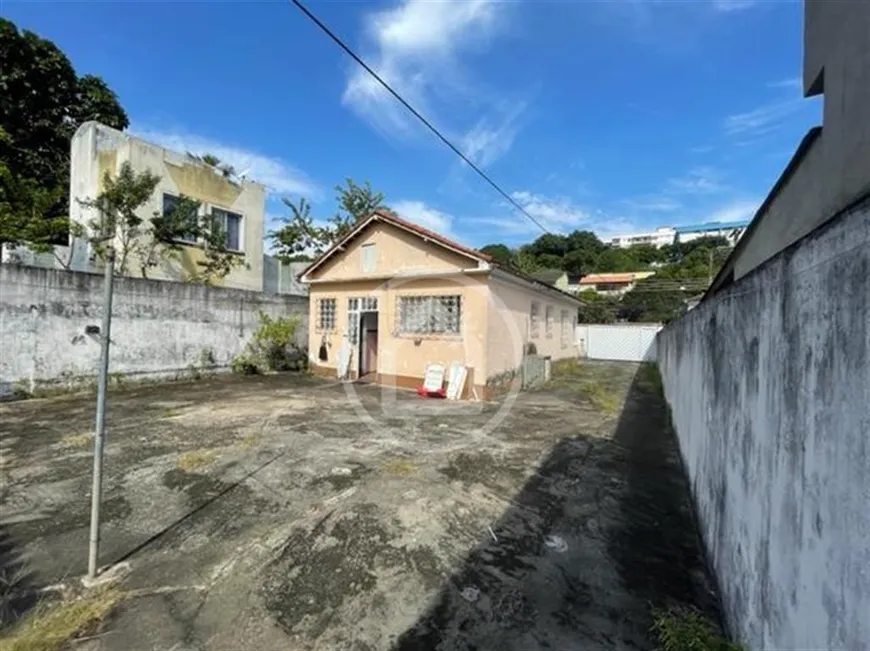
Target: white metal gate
[{"x": 630, "y": 342}]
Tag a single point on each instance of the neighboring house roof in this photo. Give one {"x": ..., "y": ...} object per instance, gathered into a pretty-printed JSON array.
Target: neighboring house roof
[
  {"x": 622, "y": 277},
  {"x": 548, "y": 276},
  {"x": 726, "y": 273},
  {"x": 388, "y": 217}
]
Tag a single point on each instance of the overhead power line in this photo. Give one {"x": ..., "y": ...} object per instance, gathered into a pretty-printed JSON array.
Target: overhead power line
[{"x": 332, "y": 35}]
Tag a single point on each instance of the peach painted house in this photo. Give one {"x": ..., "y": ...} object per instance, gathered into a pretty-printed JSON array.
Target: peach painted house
[{"x": 404, "y": 296}]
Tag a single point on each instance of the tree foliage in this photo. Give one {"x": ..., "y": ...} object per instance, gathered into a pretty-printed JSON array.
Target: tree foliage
[
  {"x": 301, "y": 236},
  {"x": 146, "y": 241},
  {"x": 42, "y": 103}
]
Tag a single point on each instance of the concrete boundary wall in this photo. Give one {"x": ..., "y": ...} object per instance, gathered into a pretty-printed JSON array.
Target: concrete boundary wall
[
  {"x": 769, "y": 387},
  {"x": 158, "y": 327}
]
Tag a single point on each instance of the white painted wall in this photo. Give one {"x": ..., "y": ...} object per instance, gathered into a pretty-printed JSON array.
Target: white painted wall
[
  {"x": 630, "y": 342},
  {"x": 769, "y": 387},
  {"x": 158, "y": 328}
]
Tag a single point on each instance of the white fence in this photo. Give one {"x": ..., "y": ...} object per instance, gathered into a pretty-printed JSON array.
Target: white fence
[{"x": 630, "y": 342}]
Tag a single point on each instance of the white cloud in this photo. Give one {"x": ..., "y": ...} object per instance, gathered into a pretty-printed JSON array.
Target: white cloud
[
  {"x": 732, "y": 5},
  {"x": 698, "y": 180},
  {"x": 737, "y": 210},
  {"x": 556, "y": 214},
  {"x": 427, "y": 217},
  {"x": 415, "y": 47},
  {"x": 791, "y": 83},
  {"x": 486, "y": 142},
  {"x": 762, "y": 120},
  {"x": 276, "y": 174}
]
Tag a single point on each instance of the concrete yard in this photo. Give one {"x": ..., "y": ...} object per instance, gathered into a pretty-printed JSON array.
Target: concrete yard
[{"x": 285, "y": 512}]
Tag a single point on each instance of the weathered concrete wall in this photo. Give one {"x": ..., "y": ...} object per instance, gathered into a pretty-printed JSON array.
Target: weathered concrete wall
[
  {"x": 769, "y": 385},
  {"x": 158, "y": 328}
]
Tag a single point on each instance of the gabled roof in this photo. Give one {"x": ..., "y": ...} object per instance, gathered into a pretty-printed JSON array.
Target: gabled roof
[{"x": 389, "y": 217}]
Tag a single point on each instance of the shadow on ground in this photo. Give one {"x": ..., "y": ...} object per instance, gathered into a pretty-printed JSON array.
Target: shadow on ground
[
  {"x": 599, "y": 535},
  {"x": 17, "y": 596}
]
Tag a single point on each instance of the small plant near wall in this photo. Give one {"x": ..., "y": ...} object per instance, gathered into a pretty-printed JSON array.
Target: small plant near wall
[
  {"x": 688, "y": 630},
  {"x": 271, "y": 348}
]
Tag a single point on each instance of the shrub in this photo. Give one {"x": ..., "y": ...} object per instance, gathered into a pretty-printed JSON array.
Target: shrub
[
  {"x": 688, "y": 630},
  {"x": 271, "y": 348}
]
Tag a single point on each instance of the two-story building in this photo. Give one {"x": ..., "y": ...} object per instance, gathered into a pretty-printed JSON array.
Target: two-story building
[{"x": 238, "y": 204}]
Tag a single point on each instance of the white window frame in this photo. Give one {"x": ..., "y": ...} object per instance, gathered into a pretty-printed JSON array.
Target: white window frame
[
  {"x": 534, "y": 320},
  {"x": 548, "y": 321},
  {"x": 430, "y": 314},
  {"x": 356, "y": 305},
  {"x": 241, "y": 216},
  {"x": 326, "y": 314}
]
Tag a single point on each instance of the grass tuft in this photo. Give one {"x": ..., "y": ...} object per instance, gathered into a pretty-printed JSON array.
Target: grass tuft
[
  {"x": 600, "y": 396},
  {"x": 402, "y": 467},
  {"x": 196, "y": 459},
  {"x": 650, "y": 379},
  {"x": 78, "y": 439},
  {"x": 249, "y": 441},
  {"x": 688, "y": 630},
  {"x": 51, "y": 627}
]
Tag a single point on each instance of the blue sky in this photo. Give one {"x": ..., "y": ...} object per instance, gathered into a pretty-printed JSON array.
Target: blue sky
[{"x": 613, "y": 116}]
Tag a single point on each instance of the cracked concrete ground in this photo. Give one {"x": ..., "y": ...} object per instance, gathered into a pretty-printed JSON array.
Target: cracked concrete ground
[{"x": 285, "y": 512}]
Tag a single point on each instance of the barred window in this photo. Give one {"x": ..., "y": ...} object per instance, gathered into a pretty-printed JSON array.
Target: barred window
[
  {"x": 566, "y": 328},
  {"x": 326, "y": 314},
  {"x": 549, "y": 323},
  {"x": 534, "y": 320},
  {"x": 429, "y": 314}
]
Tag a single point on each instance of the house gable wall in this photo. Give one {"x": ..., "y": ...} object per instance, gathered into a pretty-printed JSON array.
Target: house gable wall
[{"x": 397, "y": 252}]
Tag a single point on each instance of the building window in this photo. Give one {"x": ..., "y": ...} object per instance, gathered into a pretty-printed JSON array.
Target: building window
[
  {"x": 429, "y": 314},
  {"x": 369, "y": 257},
  {"x": 325, "y": 314},
  {"x": 230, "y": 224},
  {"x": 534, "y": 320},
  {"x": 566, "y": 328},
  {"x": 549, "y": 321},
  {"x": 170, "y": 202}
]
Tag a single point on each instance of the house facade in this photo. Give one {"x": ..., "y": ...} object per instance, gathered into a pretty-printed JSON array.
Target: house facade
[
  {"x": 239, "y": 205},
  {"x": 399, "y": 297},
  {"x": 610, "y": 284}
]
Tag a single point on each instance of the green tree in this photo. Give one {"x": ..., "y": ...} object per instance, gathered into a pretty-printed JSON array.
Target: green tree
[
  {"x": 598, "y": 308},
  {"x": 301, "y": 236},
  {"x": 355, "y": 202},
  {"x": 42, "y": 103},
  {"x": 499, "y": 252}
]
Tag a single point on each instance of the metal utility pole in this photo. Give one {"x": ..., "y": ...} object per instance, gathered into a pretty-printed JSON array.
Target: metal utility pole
[{"x": 100, "y": 428}]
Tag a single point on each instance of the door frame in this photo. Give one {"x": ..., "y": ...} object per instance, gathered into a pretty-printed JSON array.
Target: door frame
[{"x": 360, "y": 344}]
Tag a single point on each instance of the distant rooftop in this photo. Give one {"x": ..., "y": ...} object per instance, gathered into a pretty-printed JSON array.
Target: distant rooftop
[{"x": 711, "y": 226}]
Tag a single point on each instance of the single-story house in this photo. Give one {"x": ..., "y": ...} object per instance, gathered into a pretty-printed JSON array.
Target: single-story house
[
  {"x": 402, "y": 296},
  {"x": 610, "y": 284}
]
